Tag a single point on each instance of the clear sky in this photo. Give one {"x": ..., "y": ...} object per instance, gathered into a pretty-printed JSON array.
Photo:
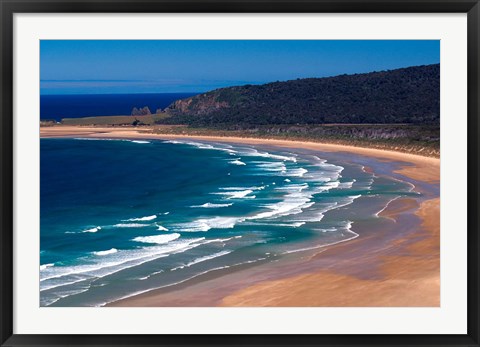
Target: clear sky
[{"x": 117, "y": 66}]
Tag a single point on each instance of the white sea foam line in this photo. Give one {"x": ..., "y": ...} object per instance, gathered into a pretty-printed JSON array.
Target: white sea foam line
[
  {"x": 140, "y": 219},
  {"x": 327, "y": 186},
  {"x": 346, "y": 185},
  {"x": 291, "y": 225},
  {"x": 284, "y": 208},
  {"x": 294, "y": 187},
  {"x": 180, "y": 282},
  {"x": 109, "y": 139},
  {"x": 53, "y": 286},
  {"x": 44, "y": 266},
  {"x": 385, "y": 207},
  {"x": 109, "y": 251},
  {"x": 92, "y": 230},
  {"x": 242, "y": 188},
  {"x": 297, "y": 172},
  {"x": 349, "y": 224},
  {"x": 139, "y": 141},
  {"x": 165, "y": 286},
  {"x": 152, "y": 274},
  {"x": 130, "y": 225},
  {"x": 64, "y": 296},
  {"x": 237, "y": 162},
  {"x": 201, "y": 145},
  {"x": 146, "y": 252},
  {"x": 161, "y": 228},
  {"x": 117, "y": 270},
  {"x": 412, "y": 186},
  {"x": 205, "y": 224},
  {"x": 202, "y": 259},
  {"x": 333, "y": 206},
  {"x": 221, "y": 240},
  {"x": 236, "y": 194},
  {"x": 293, "y": 203},
  {"x": 271, "y": 166},
  {"x": 157, "y": 239},
  {"x": 255, "y": 153},
  {"x": 212, "y": 205}
]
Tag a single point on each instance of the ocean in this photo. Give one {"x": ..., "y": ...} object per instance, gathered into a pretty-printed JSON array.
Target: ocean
[
  {"x": 75, "y": 106},
  {"x": 123, "y": 217}
]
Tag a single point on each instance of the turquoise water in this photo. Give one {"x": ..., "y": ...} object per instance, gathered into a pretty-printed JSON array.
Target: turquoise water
[{"x": 121, "y": 217}]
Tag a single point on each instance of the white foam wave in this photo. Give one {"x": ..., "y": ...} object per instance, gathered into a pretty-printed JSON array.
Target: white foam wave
[
  {"x": 205, "y": 224},
  {"x": 102, "y": 253},
  {"x": 255, "y": 153},
  {"x": 50, "y": 301},
  {"x": 385, "y": 207},
  {"x": 141, "y": 219},
  {"x": 347, "y": 228},
  {"x": 218, "y": 147},
  {"x": 161, "y": 228},
  {"x": 237, "y": 162},
  {"x": 140, "y": 141},
  {"x": 59, "y": 276},
  {"x": 237, "y": 194},
  {"x": 185, "y": 280},
  {"x": 211, "y": 205},
  {"x": 346, "y": 185},
  {"x": 131, "y": 225},
  {"x": 92, "y": 230},
  {"x": 289, "y": 225},
  {"x": 242, "y": 188},
  {"x": 318, "y": 214},
  {"x": 294, "y": 187},
  {"x": 221, "y": 240},
  {"x": 202, "y": 259},
  {"x": 272, "y": 166},
  {"x": 44, "y": 266},
  {"x": 297, "y": 172},
  {"x": 158, "y": 239},
  {"x": 327, "y": 186},
  {"x": 152, "y": 274}
]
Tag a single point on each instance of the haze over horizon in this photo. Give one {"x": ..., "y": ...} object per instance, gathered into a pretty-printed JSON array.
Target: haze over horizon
[{"x": 173, "y": 66}]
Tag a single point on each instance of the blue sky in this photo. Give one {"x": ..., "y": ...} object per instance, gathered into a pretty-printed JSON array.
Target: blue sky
[{"x": 117, "y": 66}]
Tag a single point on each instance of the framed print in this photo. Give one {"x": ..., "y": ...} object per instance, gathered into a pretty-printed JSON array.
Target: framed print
[{"x": 239, "y": 173}]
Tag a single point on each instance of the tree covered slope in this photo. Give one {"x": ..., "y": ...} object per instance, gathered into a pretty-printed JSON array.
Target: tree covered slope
[{"x": 407, "y": 95}]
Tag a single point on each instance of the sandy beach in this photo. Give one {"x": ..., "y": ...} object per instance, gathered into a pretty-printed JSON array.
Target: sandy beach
[{"x": 397, "y": 264}]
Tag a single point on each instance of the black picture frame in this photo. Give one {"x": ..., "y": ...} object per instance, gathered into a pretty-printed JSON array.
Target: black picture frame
[{"x": 11, "y": 7}]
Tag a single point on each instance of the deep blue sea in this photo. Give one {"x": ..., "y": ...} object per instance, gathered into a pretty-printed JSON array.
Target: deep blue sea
[
  {"x": 76, "y": 106},
  {"x": 120, "y": 217}
]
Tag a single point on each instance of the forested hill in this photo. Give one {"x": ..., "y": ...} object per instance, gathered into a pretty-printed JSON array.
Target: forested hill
[{"x": 407, "y": 95}]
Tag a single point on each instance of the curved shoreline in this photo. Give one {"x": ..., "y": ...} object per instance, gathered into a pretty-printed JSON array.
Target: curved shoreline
[
  {"x": 428, "y": 164},
  {"x": 384, "y": 263}
]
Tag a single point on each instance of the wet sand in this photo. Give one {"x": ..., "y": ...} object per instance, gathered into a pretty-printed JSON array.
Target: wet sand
[
  {"x": 393, "y": 263},
  {"x": 408, "y": 279}
]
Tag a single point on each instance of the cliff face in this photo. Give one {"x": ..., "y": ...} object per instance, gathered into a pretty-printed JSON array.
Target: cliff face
[
  {"x": 198, "y": 105},
  {"x": 408, "y": 95}
]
